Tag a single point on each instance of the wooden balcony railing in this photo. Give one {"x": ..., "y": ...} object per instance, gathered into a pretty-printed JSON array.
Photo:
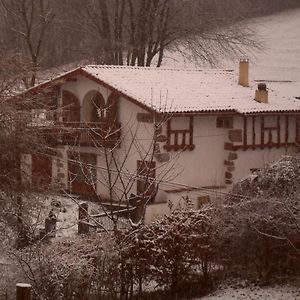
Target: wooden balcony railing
[{"x": 99, "y": 134}]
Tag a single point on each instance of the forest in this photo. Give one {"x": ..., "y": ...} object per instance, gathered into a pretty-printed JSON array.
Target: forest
[{"x": 45, "y": 34}]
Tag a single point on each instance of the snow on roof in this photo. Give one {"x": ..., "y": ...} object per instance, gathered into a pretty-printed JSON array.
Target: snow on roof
[
  {"x": 174, "y": 90},
  {"x": 187, "y": 91}
]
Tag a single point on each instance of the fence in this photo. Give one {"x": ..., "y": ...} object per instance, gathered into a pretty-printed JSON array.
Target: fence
[
  {"x": 3, "y": 295},
  {"x": 23, "y": 292}
]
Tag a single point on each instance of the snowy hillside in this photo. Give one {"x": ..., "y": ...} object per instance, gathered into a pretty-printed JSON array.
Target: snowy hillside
[
  {"x": 284, "y": 292},
  {"x": 280, "y": 59}
]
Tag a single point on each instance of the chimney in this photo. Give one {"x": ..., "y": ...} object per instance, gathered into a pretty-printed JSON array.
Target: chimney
[
  {"x": 244, "y": 73},
  {"x": 261, "y": 94}
]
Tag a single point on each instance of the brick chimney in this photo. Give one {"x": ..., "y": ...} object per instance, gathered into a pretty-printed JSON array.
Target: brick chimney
[
  {"x": 261, "y": 94},
  {"x": 244, "y": 72}
]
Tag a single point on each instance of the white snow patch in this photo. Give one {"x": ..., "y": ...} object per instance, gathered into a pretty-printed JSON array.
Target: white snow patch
[{"x": 278, "y": 292}]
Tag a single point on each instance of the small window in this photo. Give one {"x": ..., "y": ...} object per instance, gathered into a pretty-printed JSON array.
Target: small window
[
  {"x": 224, "y": 122},
  {"x": 202, "y": 200}
]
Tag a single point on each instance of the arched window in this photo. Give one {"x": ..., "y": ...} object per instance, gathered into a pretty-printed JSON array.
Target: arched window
[
  {"x": 112, "y": 108},
  {"x": 93, "y": 107},
  {"x": 98, "y": 110},
  {"x": 71, "y": 107}
]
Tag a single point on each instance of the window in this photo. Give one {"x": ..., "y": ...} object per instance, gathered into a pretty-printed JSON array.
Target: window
[
  {"x": 269, "y": 131},
  {"x": 224, "y": 122},
  {"x": 71, "y": 107},
  {"x": 98, "y": 108},
  {"x": 180, "y": 139}
]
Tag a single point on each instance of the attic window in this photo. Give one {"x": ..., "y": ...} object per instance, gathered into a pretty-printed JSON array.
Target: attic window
[{"x": 224, "y": 122}]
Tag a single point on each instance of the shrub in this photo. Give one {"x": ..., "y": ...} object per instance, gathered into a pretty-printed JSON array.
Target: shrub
[
  {"x": 78, "y": 268},
  {"x": 260, "y": 231},
  {"x": 172, "y": 249}
]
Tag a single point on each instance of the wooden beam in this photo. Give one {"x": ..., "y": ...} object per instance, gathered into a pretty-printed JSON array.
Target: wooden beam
[
  {"x": 245, "y": 139},
  {"x": 262, "y": 133},
  {"x": 253, "y": 133}
]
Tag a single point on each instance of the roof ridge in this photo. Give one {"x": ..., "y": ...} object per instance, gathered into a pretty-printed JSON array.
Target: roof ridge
[{"x": 155, "y": 68}]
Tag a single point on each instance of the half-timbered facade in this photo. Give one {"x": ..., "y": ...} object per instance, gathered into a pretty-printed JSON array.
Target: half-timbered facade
[{"x": 193, "y": 131}]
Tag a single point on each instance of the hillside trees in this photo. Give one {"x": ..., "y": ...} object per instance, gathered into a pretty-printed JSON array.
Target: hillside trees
[
  {"x": 52, "y": 33},
  {"x": 27, "y": 21},
  {"x": 122, "y": 32},
  {"x": 140, "y": 32},
  {"x": 19, "y": 135}
]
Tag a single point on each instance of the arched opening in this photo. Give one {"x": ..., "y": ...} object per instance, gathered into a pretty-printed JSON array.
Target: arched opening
[
  {"x": 93, "y": 107},
  {"x": 71, "y": 107},
  {"x": 112, "y": 109}
]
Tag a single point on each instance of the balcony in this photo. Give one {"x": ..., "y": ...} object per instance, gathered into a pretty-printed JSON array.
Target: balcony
[{"x": 97, "y": 134}]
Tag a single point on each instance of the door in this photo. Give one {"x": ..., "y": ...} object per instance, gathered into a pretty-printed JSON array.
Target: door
[
  {"x": 83, "y": 173},
  {"x": 41, "y": 170}
]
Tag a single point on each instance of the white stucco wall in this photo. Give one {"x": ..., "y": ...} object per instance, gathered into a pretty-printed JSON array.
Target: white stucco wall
[
  {"x": 258, "y": 158},
  {"x": 127, "y": 116},
  {"x": 203, "y": 166}
]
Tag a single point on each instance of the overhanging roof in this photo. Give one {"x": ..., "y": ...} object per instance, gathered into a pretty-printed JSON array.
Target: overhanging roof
[{"x": 181, "y": 91}]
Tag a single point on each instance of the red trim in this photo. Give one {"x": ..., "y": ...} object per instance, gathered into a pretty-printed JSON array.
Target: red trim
[
  {"x": 278, "y": 131},
  {"x": 297, "y": 130},
  {"x": 262, "y": 133},
  {"x": 253, "y": 132},
  {"x": 192, "y": 146},
  {"x": 272, "y": 145},
  {"x": 271, "y": 131},
  {"x": 245, "y": 132},
  {"x": 286, "y": 129},
  {"x": 176, "y": 146}
]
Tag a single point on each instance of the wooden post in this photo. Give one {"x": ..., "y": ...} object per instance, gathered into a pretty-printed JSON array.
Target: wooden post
[
  {"x": 23, "y": 291},
  {"x": 50, "y": 226},
  {"x": 83, "y": 217}
]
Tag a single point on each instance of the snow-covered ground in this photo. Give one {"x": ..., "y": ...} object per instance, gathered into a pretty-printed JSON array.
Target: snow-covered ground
[
  {"x": 66, "y": 211},
  {"x": 278, "y": 292}
]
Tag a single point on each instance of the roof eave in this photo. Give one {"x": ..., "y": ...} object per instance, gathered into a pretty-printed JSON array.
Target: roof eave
[{"x": 80, "y": 72}]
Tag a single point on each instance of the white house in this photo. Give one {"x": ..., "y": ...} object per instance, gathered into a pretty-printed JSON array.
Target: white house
[{"x": 185, "y": 132}]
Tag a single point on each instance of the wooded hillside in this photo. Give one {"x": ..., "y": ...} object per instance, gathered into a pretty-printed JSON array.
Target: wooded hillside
[{"x": 44, "y": 34}]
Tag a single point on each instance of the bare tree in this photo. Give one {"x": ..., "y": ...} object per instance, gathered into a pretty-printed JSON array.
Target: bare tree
[
  {"x": 29, "y": 20},
  {"x": 19, "y": 135},
  {"x": 139, "y": 32}
]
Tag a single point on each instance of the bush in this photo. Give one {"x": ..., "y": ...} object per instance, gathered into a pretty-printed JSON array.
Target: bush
[
  {"x": 260, "y": 231},
  {"x": 173, "y": 249},
  {"x": 78, "y": 268}
]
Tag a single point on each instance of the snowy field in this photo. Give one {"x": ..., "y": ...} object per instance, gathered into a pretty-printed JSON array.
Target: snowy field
[
  {"x": 284, "y": 292},
  {"x": 280, "y": 59}
]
